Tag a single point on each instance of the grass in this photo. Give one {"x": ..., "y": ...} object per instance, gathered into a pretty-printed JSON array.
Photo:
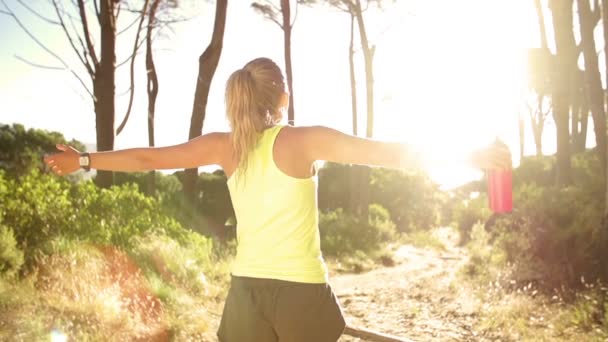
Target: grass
[
  {"x": 519, "y": 312},
  {"x": 423, "y": 239},
  {"x": 88, "y": 294},
  {"x": 522, "y": 316}
]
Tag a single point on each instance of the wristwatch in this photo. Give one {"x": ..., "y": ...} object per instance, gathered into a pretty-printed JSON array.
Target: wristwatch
[{"x": 85, "y": 161}]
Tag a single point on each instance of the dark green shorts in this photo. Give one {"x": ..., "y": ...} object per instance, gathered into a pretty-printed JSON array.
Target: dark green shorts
[{"x": 265, "y": 310}]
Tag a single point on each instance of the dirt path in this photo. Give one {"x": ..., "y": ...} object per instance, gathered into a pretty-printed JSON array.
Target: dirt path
[{"x": 416, "y": 299}]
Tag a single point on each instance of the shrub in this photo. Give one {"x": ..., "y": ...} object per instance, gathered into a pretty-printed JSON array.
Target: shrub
[
  {"x": 555, "y": 234},
  {"x": 343, "y": 234},
  {"x": 40, "y": 208},
  {"x": 21, "y": 150},
  {"x": 413, "y": 201},
  {"x": 11, "y": 257},
  {"x": 467, "y": 213}
]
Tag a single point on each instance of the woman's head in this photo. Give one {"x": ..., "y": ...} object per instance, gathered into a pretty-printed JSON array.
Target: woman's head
[{"x": 255, "y": 100}]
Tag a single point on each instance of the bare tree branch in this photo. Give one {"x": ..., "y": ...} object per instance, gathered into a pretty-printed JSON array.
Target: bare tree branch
[
  {"x": 132, "y": 73},
  {"x": 118, "y": 8},
  {"x": 87, "y": 35},
  {"x": 82, "y": 59},
  {"x": 84, "y": 48},
  {"x": 41, "y": 66},
  {"x": 44, "y": 47},
  {"x": 34, "y": 12},
  {"x": 275, "y": 7},
  {"x": 58, "y": 68},
  {"x": 128, "y": 26},
  {"x": 128, "y": 59},
  {"x": 268, "y": 12},
  {"x": 97, "y": 11},
  {"x": 295, "y": 16}
]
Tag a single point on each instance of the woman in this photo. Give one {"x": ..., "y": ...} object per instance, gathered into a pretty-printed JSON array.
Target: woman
[{"x": 279, "y": 289}]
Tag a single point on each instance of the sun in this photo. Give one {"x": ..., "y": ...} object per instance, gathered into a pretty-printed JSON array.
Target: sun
[{"x": 458, "y": 85}]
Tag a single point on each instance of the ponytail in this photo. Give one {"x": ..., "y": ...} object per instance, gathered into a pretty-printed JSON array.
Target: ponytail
[{"x": 252, "y": 99}]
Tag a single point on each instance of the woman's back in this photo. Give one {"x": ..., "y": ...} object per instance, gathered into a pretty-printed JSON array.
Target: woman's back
[{"x": 277, "y": 217}]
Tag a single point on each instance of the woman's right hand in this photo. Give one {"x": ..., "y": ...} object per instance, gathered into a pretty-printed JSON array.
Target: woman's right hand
[
  {"x": 495, "y": 156},
  {"x": 64, "y": 162}
]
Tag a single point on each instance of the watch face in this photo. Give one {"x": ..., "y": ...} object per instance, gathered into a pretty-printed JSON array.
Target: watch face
[{"x": 84, "y": 161}]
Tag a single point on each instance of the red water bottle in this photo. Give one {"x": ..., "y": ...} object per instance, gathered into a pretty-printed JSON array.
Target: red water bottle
[{"x": 500, "y": 189}]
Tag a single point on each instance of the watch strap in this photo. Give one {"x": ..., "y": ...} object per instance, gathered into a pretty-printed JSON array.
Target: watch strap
[{"x": 85, "y": 161}]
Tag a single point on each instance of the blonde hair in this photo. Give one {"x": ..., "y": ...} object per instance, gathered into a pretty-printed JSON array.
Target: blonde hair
[{"x": 253, "y": 96}]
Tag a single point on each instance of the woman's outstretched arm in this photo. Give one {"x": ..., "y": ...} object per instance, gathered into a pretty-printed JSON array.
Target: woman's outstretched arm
[
  {"x": 322, "y": 143},
  {"x": 206, "y": 149}
]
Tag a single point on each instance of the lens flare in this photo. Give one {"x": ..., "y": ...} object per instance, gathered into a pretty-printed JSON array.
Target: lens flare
[{"x": 58, "y": 336}]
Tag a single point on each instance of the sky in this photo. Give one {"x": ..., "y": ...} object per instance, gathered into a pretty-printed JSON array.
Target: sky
[{"x": 448, "y": 74}]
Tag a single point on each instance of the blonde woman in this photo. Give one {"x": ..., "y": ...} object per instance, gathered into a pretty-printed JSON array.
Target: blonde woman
[{"x": 279, "y": 289}]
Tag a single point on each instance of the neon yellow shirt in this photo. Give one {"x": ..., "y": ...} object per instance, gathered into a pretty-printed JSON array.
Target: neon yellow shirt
[{"x": 277, "y": 220}]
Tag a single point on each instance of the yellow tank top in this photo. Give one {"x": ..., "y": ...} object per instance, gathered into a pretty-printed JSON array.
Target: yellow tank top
[{"x": 277, "y": 220}]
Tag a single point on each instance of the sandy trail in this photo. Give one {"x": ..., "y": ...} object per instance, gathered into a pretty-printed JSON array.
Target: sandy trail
[{"x": 416, "y": 299}]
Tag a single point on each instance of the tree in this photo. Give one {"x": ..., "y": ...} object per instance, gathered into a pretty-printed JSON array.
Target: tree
[
  {"x": 270, "y": 11},
  {"x": 99, "y": 61},
  {"x": 588, "y": 21},
  {"x": 151, "y": 89},
  {"x": 605, "y": 26},
  {"x": 540, "y": 62},
  {"x": 207, "y": 65},
  {"x": 563, "y": 76}
]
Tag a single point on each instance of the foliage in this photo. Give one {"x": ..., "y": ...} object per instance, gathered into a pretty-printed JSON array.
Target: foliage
[
  {"x": 555, "y": 234},
  {"x": 11, "y": 257},
  {"x": 468, "y": 212},
  {"x": 22, "y": 150},
  {"x": 41, "y": 207},
  {"x": 343, "y": 234},
  {"x": 412, "y": 200}
]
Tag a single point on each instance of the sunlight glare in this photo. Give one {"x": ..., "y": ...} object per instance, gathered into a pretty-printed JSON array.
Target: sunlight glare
[
  {"x": 462, "y": 90},
  {"x": 58, "y": 336}
]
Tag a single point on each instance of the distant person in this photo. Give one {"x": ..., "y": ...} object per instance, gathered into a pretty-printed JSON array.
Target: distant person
[{"x": 279, "y": 289}]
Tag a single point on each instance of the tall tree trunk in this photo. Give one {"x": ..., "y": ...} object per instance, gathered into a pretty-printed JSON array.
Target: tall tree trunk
[
  {"x": 605, "y": 24},
  {"x": 545, "y": 60},
  {"x": 584, "y": 117},
  {"x": 286, "y": 11},
  {"x": 353, "y": 80},
  {"x": 207, "y": 65},
  {"x": 521, "y": 126},
  {"x": 575, "y": 123},
  {"x": 354, "y": 187},
  {"x": 368, "y": 56},
  {"x": 537, "y": 130},
  {"x": 565, "y": 64},
  {"x": 541, "y": 24},
  {"x": 152, "y": 89},
  {"x": 580, "y": 114},
  {"x": 104, "y": 88},
  {"x": 593, "y": 80},
  {"x": 537, "y": 121}
]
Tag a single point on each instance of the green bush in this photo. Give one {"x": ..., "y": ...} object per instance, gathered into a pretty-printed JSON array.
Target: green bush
[
  {"x": 555, "y": 234},
  {"x": 11, "y": 257},
  {"x": 467, "y": 213},
  {"x": 22, "y": 150},
  {"x": 413, "y": 201},
  {"x": 343, "y": 234},
  {"x": 41, "y": 207}
]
